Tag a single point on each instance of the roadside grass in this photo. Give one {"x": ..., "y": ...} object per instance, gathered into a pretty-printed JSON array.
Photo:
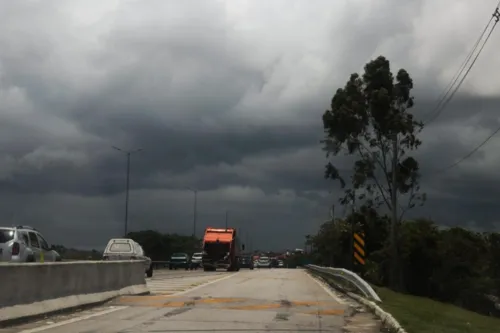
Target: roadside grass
[{"x": 423, "y": 315}]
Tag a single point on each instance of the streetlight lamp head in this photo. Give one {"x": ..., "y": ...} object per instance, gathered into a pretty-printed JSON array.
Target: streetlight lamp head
[{"x": 114, "y": 147}]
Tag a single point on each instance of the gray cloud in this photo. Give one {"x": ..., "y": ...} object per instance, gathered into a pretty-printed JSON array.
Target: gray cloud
[{"x": 226, "y": 98}]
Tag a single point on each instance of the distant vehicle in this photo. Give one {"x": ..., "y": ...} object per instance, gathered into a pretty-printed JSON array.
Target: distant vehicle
[
  {"x": 196, "y": 260},
  {"x": 246, "y": 262},
  {"x": 281, "y": 264},
  {"x": 221, "y": 249},
  {"x": 127, "y": 249},
  {"x": 25, "y": 244},
  {"x": 264, "y": 262},
  {"x": 274, "y": 262},
  {"x": 179, "y": 260}
]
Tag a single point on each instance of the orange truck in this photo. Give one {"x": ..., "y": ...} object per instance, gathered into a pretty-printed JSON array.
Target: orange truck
[{"x": 221, "y": 249}]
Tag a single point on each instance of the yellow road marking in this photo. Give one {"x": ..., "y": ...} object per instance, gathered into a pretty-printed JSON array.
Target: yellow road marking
[
  {"x": 175, "y": 304},
  {"x": 171, "y": 301},
  {"x": 255, "y": 307},
  {"x": 310, "y": 303},
  {"x": 220, "y": 300}
]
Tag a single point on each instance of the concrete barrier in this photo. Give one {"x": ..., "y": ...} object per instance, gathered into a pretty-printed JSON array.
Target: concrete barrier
[{"x": 33, "y": 289}]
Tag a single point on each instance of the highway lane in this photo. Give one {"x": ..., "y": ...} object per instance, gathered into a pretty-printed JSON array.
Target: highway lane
[{"x": 274, "y": 300}]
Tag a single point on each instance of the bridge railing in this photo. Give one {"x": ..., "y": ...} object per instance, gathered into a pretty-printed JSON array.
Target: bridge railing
[{"x": 350, "y": 277}]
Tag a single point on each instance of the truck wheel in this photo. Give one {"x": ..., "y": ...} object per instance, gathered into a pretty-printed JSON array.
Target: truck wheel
[
  {"x": 170, "y": 267},
  {"x": 206, "y": 269}
]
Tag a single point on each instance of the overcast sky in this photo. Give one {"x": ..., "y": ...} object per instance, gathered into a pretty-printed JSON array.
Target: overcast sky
[{"x": 225, "y": 97}]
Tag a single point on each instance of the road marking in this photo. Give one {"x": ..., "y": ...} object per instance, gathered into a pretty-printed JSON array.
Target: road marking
[
  {"x": 332, "y": 312},
  {"x": 255, "y": 307},
  {"x": 220, "y": 300},
  {"x": 73, "y": 320},
  {"x": 204, "y": 285},
  {"x": 327, "y": 289}
]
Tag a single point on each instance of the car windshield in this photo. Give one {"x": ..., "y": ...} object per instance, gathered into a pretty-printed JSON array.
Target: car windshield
[
  {"x": 264, "y": 258},
  {"x": 183, "y": 255}
]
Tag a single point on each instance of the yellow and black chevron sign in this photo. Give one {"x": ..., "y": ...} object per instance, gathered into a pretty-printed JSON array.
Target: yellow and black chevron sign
[{"x": 359, "y": 247}]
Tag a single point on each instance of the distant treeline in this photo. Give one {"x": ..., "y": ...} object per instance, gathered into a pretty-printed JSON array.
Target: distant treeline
[
  {"x": 75, "y": 254},
  {"x": 452, "y": 265},
  {"x": 159, "y": 247}
]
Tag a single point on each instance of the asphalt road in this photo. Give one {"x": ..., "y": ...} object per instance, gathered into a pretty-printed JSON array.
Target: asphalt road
[{"x": 270, "y": 300}]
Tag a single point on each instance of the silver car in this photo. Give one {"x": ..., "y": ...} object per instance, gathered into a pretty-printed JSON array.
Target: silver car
[
  {"x": 127, "y": 249},
  {"x": 196, "y": 260},
  {"x": 25, "y": 244}
]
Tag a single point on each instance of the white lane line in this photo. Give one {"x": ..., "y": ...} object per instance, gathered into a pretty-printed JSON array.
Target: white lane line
[
  {"x": 206, "y": 284},
  {"x": 73, "y": 320},
  {"x": 327, "y": 289}
]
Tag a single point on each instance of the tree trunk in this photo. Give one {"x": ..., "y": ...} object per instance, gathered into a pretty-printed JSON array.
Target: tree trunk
[{"x": 394, "y": 263}]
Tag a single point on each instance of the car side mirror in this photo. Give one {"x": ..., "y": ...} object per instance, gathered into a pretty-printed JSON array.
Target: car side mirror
[{"x": 243, "y": 247}]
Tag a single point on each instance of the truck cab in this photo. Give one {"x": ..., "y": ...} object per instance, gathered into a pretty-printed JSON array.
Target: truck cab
[{"x": 221, "y": 249}]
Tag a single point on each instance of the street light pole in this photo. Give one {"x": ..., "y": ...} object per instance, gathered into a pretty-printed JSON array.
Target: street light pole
[
  {"x": 226, "y": 218},
  {"x": 128, "y": 153},
  {"x": 126, "y": 194},
  {"x": 195, "y": 209}
]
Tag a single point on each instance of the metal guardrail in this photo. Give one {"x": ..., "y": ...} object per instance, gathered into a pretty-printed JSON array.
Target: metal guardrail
[
  {"x": 348, "y": 276},
  {"x": 160, "y": 264}
]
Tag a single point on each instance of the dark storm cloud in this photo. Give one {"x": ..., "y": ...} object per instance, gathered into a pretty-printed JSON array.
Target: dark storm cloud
[{"x": 223, "y": 98}]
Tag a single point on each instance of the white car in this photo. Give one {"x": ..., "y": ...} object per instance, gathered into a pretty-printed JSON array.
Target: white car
[
  {"x": 127, "y": 249},
  {"x": 263, "y": 262},
  {"x": 196, "y": 260}
]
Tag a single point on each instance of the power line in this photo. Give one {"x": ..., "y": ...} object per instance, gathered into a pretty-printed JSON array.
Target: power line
[
  {"x": 485, "y": 141},
  {"x": 450, "y": 85},
  {"x": 446, "y": 97},
  {"x": 496, "y": 16}
]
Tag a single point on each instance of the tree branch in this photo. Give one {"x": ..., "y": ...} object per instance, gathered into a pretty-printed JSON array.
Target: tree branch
[{"x": 380, "y": 188}]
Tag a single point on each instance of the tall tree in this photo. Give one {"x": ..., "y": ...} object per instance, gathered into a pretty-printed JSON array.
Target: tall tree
[{"x": 370, "y": 120}]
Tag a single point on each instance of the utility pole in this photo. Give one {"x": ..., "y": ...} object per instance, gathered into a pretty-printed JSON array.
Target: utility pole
[
  {"x": 127, "y": 187},
  {"x": 195, "y": 208},
  {"x": 126, "y": 194},
  {"x": 226, "y": 218},
  {"x": 353, "y": 210}
]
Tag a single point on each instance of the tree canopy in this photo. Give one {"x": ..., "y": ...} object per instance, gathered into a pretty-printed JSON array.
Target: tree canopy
[{"x": 370, "y": 119}]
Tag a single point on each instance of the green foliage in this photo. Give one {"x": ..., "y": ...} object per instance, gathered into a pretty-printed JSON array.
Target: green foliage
[
  {"x": 451, "y": 265},
  {"x": 75, "y": 254},
  {"x": 366, "y": 119}
]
